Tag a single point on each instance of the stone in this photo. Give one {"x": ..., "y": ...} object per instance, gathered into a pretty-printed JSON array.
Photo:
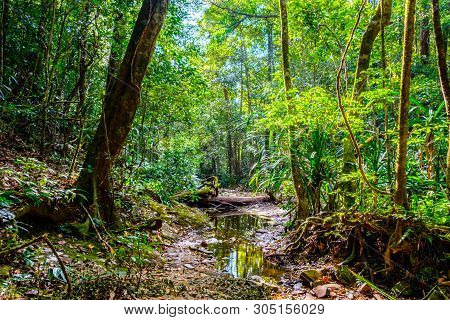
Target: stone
[
  {"x": 208, "y": 261},
  {"x": 6, "y": 217},
  {"x": 212, "y": 241},
  {"x": 189, "y": 266},
  {"x": 377, "y": 296},
  {"x": 321, "y": 291},
  {"x": 257, "y": 278},
  {"x": 311, "y": 276},
  {"x": 364, "y": 289},
  {"x": 309, "y": 296},
  {"x": 298, "y": 286}
]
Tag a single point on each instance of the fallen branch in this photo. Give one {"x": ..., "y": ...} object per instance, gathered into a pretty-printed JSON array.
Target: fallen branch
[{"x": 44, "y": 238}]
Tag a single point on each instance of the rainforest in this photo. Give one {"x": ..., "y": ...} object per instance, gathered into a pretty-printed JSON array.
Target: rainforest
[{"x": 224, "y": 149}]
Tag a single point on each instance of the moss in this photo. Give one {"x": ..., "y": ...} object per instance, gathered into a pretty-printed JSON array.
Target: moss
[
  {"x": 158, "y": 208},
  {"x": 185, "y": 215},
  {"x": 180, "y": 214}
]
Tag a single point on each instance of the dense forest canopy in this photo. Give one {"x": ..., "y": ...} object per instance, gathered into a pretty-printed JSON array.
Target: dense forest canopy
[{"x": 326, "y": 106}]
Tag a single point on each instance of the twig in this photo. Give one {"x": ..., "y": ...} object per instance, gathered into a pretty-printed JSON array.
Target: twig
[
  {"x": 44, "y": 238},
  {"x": 105, "y": 243},
  {"x": 21, "y": 246},
  {"x": 61, "y": 263}
]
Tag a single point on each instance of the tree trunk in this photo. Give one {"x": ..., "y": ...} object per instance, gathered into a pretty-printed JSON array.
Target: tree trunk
[
  {"x": 230, "y": 150},
  {"x": 120, "y": 107},
  {"x": 270, "y": 71},
  {"x": 302, "y": 207},
  {"x": 115, "y": 51},
  {"x": 379, "y": 21},
  {"x": 82, "y": 87},
  {"x": 367, "y": 41},
  {"x": 47, "y": 49},
  {"x": 443, "y": 75},
  {"x": 400, "y": 196},
  {"x": 4, "y": 20},
  {"x": 424, "y": 37},
  {"x": 270, "y": 62},
  {"x": 386, "y": 106}
]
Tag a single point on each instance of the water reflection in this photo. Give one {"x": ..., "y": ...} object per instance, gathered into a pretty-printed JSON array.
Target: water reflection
[{"x": 236, "y": 254}]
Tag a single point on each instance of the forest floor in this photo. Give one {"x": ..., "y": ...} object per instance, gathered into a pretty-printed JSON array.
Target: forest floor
[
  {"x": 235, "y": 255},
  {"x": 239, "y": 257}
]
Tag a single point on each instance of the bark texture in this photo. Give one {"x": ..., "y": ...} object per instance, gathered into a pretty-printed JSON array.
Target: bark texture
[
  {"x": 302, "y": 206},
  {"x": 120, "y": 107},
  {"x": 400, "y": 196},
  {"x": 382, "y": 16},
  {"x": 443, "y": 75}
]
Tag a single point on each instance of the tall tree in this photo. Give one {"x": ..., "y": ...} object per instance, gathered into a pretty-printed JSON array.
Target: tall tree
[
  {"x": 379, "y": 21},
  {"x": 424, "y": 36},
  {"x": 120, "y": 105},
  {"x": 443, "y": 75},
  {"x": 294, "y": 143},
  {"x": 400, "y": 197}
]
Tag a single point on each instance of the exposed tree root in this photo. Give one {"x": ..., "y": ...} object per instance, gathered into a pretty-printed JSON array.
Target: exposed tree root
[{"x": 360, "y": 240}]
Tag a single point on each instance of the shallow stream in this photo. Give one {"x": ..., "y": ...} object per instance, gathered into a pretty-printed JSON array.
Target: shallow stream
[{"x": 236, "y": 248}]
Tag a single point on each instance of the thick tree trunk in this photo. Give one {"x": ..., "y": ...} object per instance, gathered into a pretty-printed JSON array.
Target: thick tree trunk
[
  {"x": 400, "y": 196},
  {"x": 443, "y": 74},
  {"x": 368, "y": 39},
  {"x": 302, "y": 206},
  {"x": 120, "y": 107}
]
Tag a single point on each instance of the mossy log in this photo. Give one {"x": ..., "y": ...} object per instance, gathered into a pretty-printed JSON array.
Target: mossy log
[{"x": 201, "y": 196}]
